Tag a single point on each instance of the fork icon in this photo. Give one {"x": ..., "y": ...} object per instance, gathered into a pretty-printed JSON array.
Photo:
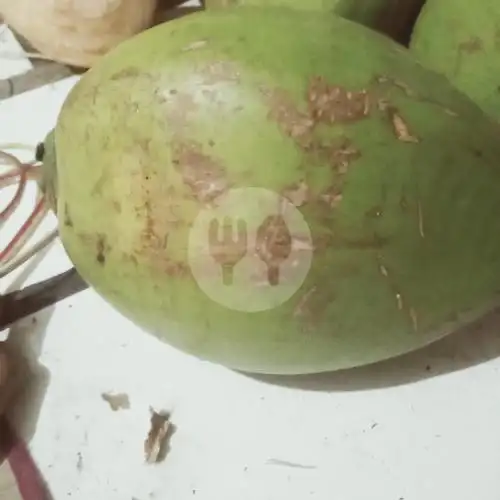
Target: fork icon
[{"x": 227, "y": 251}]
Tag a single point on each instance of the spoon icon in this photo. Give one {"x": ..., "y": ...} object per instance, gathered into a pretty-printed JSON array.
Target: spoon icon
[{"x": 273, "y": 245}]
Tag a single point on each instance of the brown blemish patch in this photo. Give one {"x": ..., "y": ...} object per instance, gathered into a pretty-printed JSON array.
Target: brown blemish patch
[
  {"x": 335, "y": 104},
  {"x": 296, "y": 124},
  {"x": 117, "y": 207},
  {"x": 154, "y": 238},
  {"x": 332, "y": 197},
  {"x": 220, "y": 72},
  {"x": 409, "y": 92},
  {"x": 205, "y": 176},
  {"x": 101, "y": 249},
  {"x": 68, "y": 222},
  {"x": 341, "y": 155},
  {"x": 178, "y": 107},
  {"x": 156, "y": 208},
  {"x": 471, "y": 46},
  {"x": 98, "y": 242},
  {"x": 130, "y": 72},
  {"x": 468, "y": 47},
  {"x": 324, "y": 104},
  {"x": 298, "y": 194}
]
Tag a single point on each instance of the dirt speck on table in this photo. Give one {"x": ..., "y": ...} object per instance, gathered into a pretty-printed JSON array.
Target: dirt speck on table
[{"x": 116, "y": 402}]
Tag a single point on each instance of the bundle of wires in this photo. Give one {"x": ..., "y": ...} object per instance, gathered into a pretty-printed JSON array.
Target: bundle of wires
[{"x": 14, "y": 172}]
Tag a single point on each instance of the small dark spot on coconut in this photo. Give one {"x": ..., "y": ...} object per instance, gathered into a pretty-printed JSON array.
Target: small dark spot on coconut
[
  {"x": 472, "y": 45},
  {"x": 211, "y": 143},
  {"x": 117, "y": 207},
  {"x": 101, "y": 249},
  {"x": 335, "y": 104},
  {"x": 67, "y": 217},
  {"x": 477, "y": 153},
  {"x": 374, "y": 212},
  {"x": 173, "y": 92},
  {"x": 130, "y": 72},
  {"x": 204, "y": 175}
]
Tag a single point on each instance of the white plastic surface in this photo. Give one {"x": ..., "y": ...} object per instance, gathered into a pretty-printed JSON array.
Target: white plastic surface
[{"x": 422, "y": 427}]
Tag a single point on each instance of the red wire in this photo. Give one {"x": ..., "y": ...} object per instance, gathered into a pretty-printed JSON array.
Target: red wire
[
  {"x": 17, "y": 196},
  {"x": 24, "y": 228}
]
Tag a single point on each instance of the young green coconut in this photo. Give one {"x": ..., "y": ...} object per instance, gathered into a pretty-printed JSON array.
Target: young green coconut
[
  {"x": 461, "y": 39},
  {"x": 394, "y": 18},
  {"x": 388, "y": 176}
]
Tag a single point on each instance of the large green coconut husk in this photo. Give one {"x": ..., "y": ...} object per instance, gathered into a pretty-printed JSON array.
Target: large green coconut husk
[
  {"x": 394, "y": 18},
  {"x": 461, "y": 39},
  {"x": 394, "y": 170}
]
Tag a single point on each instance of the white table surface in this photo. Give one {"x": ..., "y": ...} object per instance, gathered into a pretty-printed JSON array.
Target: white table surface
[{"x": 421, "y": 427}]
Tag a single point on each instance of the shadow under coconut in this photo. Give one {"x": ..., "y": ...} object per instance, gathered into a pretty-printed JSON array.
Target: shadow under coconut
[
  {"x": 476, "y": 343},
  {"x": 25, "y": 339}
]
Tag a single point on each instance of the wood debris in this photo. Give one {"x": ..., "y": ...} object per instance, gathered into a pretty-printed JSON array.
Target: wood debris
[{"x": 155, "y": 445}]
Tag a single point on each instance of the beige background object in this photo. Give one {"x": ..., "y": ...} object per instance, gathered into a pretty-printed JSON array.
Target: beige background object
[{"x": 77, "y": 32}]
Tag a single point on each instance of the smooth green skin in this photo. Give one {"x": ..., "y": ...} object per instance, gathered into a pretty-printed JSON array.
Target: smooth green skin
[
  {"x": 105, "y": 169},
  {"x": 390, "y": 17},
  {"x": 461, "y": 39}
]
